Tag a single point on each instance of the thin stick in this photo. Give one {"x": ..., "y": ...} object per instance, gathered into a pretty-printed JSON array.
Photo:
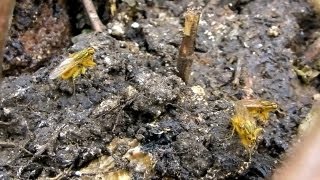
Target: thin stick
[
  {"x": 13, "y": 145},
  {"x": 93, "y": 16},
  {"x": 113, "y": 7},
  {"x": 237, "y": 73},
  {"x": 74, "y": 86},
  {"x": 186, "y": 49},
  {"x": 121, "y": 108},
  {"x": 5, "y": 124},
  {"x": 6, "y": 10},
  {"x": 248, "y": 84},
  {"x": 44, "y": 147}
]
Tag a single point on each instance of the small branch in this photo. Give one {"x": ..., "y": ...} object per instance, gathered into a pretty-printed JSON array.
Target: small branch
[
  {"x": 186, "y": 49},
  {"x": 113, "y": 7},
  {"x": 44, "y": 147},
  {"x": 52, "y": 140},
  {"x": 13, "y": 145},
  {"x": 129, "y": 101},
  {"x": 248, "y": 84},
  {"x": 93, "y": 16},
  {"x": 5, "y": 124},
  {"x": 6, "y": 10},
  {"x": 237, "y": 73}
]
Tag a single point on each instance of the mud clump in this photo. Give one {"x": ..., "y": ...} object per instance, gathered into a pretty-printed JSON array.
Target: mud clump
[{"x": 39, "y": 31}]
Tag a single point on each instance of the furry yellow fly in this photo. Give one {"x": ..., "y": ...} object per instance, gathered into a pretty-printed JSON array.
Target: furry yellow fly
[
  {"x": 259, "y": 109},
  {"x": 75, "y": 65}
]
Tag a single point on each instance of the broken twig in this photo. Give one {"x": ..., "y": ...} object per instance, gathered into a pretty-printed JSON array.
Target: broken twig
[
  {"x": 44, "y": 147},
  {"x": 237, "y": 73},
  {"x": 248, "y": 84},
  {"x": 93, "y": 16},
  {"x": 186, "y": 49},
  {"x": 113, "y": 7},
  {"x": 5, "y": 124},
  {"x": 13, "y": 145}
]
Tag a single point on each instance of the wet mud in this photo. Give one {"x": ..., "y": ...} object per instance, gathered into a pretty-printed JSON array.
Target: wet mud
[{"x": 244, "y": 49}]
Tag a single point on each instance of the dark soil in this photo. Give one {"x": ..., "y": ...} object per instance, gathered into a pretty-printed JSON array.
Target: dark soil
[{"x": 134, "y": 92}]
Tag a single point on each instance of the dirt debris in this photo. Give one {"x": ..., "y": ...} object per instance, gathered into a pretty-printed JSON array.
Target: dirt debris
[
  {"x": 137, "y": 95},
  {"x": 39, "y": 31}
]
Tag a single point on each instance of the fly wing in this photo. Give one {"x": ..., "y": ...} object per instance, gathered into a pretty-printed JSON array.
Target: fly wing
[{"x": 63, "y": 67}]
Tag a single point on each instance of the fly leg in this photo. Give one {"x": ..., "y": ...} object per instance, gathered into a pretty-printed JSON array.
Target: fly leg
[
  {"x": 83, "y": 71},
  {"x": 75, "y": 74},
  {"x": 74, "y": 86},
  {"x": 229, "y": 137}
]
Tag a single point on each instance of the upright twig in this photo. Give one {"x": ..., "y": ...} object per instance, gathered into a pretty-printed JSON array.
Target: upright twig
[
  {"x": 6, "y": 10},
  {"x": 248, "y": 84},
  {"x": 93, "y": 16},
  {"x": 237, "y": 73},
  {"x": 186, "y": 50},
  {"x": 113, "y": 7}
]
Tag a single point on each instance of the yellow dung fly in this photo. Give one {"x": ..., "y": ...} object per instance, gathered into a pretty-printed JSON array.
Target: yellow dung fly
[{"x": 75, "y": 65}]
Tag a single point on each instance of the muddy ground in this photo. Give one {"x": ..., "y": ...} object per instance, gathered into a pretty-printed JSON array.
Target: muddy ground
[{"x": 134, "y": 92}]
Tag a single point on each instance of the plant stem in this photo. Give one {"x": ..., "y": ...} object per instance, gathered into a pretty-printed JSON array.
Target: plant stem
[
  {"x": 93, "y": 16},
  {"x": 186, "y": 50}
]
